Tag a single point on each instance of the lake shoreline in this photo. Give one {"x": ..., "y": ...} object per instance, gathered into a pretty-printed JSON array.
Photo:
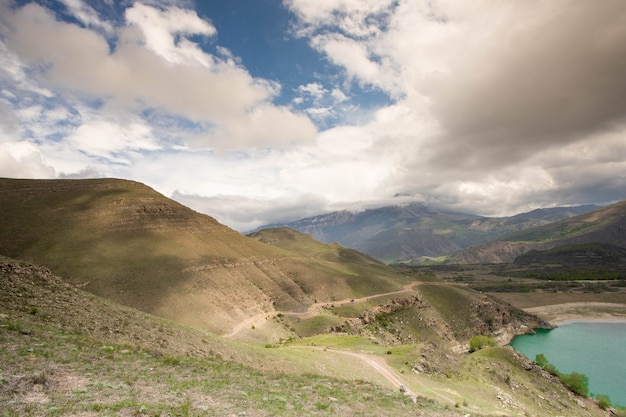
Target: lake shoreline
[
  {"x": 560, "y": 314},
  {"x": 588, "y": 345}
]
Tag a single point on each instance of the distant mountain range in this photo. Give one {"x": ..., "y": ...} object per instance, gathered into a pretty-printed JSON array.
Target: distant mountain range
[
  {"x": 606, "y": 225},
  {"x": 416, "y": 233}
]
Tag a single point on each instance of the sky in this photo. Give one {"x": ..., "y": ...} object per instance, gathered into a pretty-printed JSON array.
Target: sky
[{"x": 265, "y": 111}]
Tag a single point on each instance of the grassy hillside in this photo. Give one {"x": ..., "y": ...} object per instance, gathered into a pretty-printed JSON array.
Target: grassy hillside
[
  {"x": 65, "y": 352},
  {"x": 123, "y": 241}
]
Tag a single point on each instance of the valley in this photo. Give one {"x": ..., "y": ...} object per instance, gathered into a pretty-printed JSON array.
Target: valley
[{"x": 118, "y": 301}]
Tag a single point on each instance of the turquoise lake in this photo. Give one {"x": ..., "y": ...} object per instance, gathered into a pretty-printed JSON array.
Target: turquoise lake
[{"x": 595, "y": 349}]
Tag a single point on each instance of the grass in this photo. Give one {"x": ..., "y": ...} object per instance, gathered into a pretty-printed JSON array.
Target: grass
[
  {"x": 80, "y": 354},
  {"x": 315, "y": 325},
  {"x": 53, "y": 372},
  {"x": 132, "y": 245},
  {"x": 342, "y": 341}
]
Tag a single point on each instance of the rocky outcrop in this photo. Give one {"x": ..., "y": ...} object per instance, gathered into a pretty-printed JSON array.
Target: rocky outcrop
[
  {"x": 502, "y": 320},
  {"x": 354, "y": 325},
  {"x": 484, "y": 316}
]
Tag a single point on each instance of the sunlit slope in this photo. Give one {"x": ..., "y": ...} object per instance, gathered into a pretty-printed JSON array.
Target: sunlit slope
[
  {"x": 606, "y": 225},
  {"x": 78, "y": 354},
  {"x": 364, "y": 274},
  {"x": 124, "y": 241},
  {"x": 65, "y": 351}
]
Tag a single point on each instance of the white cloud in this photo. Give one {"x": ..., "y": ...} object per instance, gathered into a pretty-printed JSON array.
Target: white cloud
[
  {"x": 109, "y": 138},
  {"x": 12, "y": 68},
  {"x": 154, "y": 66},
  {"x": 87, "y": 15},
  {"x": 315, "y": 90},
  {"x": 496, "y": 107},
  {"x": 254, "y": 212},
  {"x": 338, "y": 95},
  {"x": 360, "y": 18},
  {"x": 160, "y": 28},
  {"x": 23, "y": 160}
]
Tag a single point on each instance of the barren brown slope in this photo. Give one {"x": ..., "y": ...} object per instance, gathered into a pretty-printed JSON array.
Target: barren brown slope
[
  {"x": 124, "y": 241},
  {"x": 605, "y": 225}
]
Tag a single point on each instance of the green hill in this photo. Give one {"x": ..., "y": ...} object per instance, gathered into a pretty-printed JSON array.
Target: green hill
[
  {"x": 65, "y": 352},
  {"x": 123, "y": 241}
]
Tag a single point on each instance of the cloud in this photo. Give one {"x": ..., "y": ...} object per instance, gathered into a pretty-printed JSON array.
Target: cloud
[
  {"x": 108, "y": 139},
  {"x": 359, "y": 18},
  {"x": 155, "y": 66},
  {"x": 23, "y": 160},
  {"x": 485, "y": 107},
  {"x": 487, "y": 95},
  {"x": 252, "y": 213},
  {"x": 315, "y": 90},
  {"x": 87, "y": 15},
  {"x": 160, "y": 28}
]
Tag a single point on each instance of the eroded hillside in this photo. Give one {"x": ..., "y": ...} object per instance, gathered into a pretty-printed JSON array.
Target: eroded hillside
[
  {"x": 123, "y": 241},
  {"x": 67, "y": 352}
]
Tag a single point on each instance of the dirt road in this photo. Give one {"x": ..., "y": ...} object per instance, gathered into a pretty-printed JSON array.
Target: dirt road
[
  {"x": 258, "y": 319},
  {"x": 378, "y": 364}
]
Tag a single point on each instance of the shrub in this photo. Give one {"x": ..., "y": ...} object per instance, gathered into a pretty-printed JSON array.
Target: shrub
[
  {"x": 603, "y": 402},
  {"x": 541, "y": 360},
  {"x": 577, "y": 383},
  {"x": 479, "y": 342}
]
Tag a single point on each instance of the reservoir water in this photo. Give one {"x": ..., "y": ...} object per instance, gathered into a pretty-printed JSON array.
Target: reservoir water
[{"x": 595, "y": 349}]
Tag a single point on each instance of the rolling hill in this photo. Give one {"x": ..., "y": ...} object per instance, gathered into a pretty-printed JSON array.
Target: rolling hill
[
  {"x": 603, "y": 226},
  {"x": 125, "y": 242},
  {"x": 406, "y": 233},
  {"x": 67, "y": 352},
  {"x": 74, "y": 341}
]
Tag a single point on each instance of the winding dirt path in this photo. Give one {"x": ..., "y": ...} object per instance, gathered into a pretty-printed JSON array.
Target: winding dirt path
[
  {"x": 258, "y": 319},
  {"x": 378, "y": 364}
]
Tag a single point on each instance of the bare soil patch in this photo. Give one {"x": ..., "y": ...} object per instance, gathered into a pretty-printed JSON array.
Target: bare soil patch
[{"x": 562, "y": 313}]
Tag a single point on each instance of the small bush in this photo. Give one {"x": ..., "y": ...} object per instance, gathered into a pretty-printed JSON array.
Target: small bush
[
  {"x": 541, "y": 360},
  {"x": 603, "y": 402},
  {"x": 479, "y": 342},
  {"x": 577, "y": 383}
]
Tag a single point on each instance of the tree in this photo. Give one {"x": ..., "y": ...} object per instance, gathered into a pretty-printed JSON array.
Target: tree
[
  {"x": 576, "y": 382},
  {"x": 541, "y": 360}
]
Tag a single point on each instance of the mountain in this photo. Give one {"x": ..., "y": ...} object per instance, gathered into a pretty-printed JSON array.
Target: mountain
[
  {"x": 123, "y": 241},
  {"x": 409, "y": 232},
  {"x": 603, "y": 226}
]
